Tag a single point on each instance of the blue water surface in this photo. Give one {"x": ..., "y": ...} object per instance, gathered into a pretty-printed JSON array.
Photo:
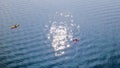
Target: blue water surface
[{"x": 47, "y": 28}]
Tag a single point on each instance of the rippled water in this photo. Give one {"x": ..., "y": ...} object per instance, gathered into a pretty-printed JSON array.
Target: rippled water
[{"x": 47, "y": 28}]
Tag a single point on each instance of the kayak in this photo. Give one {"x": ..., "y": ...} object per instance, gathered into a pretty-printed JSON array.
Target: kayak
[{"x": 15, "y": 26}]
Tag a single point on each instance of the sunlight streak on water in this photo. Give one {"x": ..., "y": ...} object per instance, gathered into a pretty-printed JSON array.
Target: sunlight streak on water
[
  {"x": 59, "y": 41},
  {"x": 61, "y": 32}
]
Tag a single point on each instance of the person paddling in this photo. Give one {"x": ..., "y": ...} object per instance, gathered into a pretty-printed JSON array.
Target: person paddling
[
  {"x": 75, "y": 40},
  {"x": 15, "y": 26}
]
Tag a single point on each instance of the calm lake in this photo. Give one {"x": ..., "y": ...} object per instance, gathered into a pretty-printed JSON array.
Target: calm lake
[{"x": 47, "y": 29}]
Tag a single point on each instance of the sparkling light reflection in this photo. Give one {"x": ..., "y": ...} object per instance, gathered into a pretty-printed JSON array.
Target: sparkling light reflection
[{"x": 61, "y": 32}]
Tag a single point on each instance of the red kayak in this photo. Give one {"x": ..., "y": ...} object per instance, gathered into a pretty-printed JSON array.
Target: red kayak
[{"x": 75, "y": 40}]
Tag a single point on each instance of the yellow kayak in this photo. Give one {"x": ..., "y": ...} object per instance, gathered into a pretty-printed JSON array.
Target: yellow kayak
[{"x": 15, "y": 26}]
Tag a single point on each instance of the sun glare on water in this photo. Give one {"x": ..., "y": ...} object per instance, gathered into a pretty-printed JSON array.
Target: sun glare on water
[
  {"x": 59, "y": 41},
  {"x": 60, "y": 32}
]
